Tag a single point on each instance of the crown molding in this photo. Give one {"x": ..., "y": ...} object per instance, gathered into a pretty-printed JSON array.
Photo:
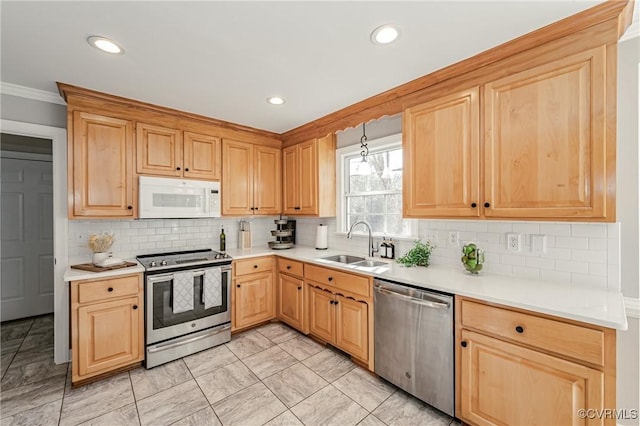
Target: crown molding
[{"x": 29, "y": 93}]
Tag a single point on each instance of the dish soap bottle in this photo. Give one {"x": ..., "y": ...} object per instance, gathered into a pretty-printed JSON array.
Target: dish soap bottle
[
  {"x": 223, "y": 241},
  {"x": 391, "y": 249},
  {"x": 384, "y": 248}
]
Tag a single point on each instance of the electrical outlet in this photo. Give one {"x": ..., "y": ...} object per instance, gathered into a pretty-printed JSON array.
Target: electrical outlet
[
  {"x": 432, "y": 236},
  {"x": 453, "y": 238},
  {"x": 539, "y": 243},
  {"x": 514, "y": 242}
]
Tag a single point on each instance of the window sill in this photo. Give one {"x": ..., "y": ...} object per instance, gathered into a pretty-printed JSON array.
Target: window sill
[{"x": 378, "y": 235}]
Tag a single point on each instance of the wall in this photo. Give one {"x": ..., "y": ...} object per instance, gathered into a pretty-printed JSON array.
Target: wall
[
  {"x": 134, "y": 237},
  {"x": 33, "y": 111}
]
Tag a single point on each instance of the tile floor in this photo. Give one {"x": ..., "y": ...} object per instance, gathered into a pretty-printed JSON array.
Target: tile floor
[{"x": 271, "y": 375}]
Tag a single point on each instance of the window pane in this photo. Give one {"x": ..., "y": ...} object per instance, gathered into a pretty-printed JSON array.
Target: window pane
[
  {"x": 396, "y": 226},
  {"x": 355, "y": 204},
  {"x": 376, "y": 222},
  {"x": 357, "y": 183},
  {"x": 353, "y": 218},
  {"x": 375, "y": 204},
  {"x": 394, "y": 203}
]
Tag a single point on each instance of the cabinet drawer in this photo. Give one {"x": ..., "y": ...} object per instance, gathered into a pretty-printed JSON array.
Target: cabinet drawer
[
  {"x": 567, "y": 339},
  {"x": 292, "y": 267},
  {"x": 342, "y": 280},
  {"x": 250, "y": 266},
  {"x": 92, "y": 291}
]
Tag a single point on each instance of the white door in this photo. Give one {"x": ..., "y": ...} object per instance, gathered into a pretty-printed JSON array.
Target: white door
[{"x": 26, "y": 227}]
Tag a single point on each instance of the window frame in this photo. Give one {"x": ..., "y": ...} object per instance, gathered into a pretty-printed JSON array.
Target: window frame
[{"x": 376, "y": 145}]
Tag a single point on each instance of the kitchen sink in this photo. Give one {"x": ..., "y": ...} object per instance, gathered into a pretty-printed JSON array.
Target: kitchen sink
[
  {"x": 370, "y": 263},
  {"x": 344, "y": 258}
]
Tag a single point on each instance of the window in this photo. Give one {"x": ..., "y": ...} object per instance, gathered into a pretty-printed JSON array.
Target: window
[{"x": 372, "y": 191}]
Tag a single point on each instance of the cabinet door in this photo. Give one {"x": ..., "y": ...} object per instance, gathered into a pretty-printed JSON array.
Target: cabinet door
[
  {"x": 441, "y": 157},
  {"x": 267, "y": 175},
  {"x": 308, "y": 161},
  {"x": 290, "y": 301},
  {"x": 502, "y": 383},
  {"x": 237, "y": 178},
  {"x": 158, "y": 150},
  {"x": 102, "y": 167},
  {"x": 109, "y": 335},
  {"x": 201, "y": 156},
  {"x": 545, "y": 144},
  {"x": 290, "y": 180},
  {"x": 352, "y": 327},
  {"x": 322, "y": 315},
  {"x": 254, "y": 299}
]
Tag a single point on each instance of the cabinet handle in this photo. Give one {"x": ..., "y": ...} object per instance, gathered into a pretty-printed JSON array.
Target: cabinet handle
[
  {"x": 520, "y": 329},
  {"x": 335, "y": 303},
  {"x": 186, "y": 169},
  {"x": 257, "y": 208},
  {"x": 129, "y": 207},
  {"x": 474, "y": 205},
  {"x": 255, "y": 266},
  {"x": 296, "y": 208},
  {"x": 331, "y": 302},
  {"x": 288, "y": 266},
  {"x": 238, "y": 285},
  {"x": 135, "y": 306},
  {"x": 487, "y": 205},
  {"x": 177, "y": 168},
  {"x": 299, "y": 287},
  {"x": 330, "y": 278},
  {"x": 463, "y": 344},
  {"x": 110, "y": 289}
]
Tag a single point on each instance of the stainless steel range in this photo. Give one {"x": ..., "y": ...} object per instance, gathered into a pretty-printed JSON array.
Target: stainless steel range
[{"x": 187, "y": 303}]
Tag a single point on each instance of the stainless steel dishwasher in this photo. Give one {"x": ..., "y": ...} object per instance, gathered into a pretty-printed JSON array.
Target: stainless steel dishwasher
[{"x": 414, "y": 342}]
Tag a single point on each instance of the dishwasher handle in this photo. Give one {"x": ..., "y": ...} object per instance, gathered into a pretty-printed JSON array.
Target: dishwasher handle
[{"x": 421, "y": 302}]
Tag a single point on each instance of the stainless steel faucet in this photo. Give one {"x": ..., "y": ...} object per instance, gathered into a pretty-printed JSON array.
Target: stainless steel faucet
[{"x": 372, "y": 248}]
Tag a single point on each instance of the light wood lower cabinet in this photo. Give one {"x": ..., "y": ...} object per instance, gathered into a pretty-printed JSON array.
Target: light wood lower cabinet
[
  {"x": 253, "y": 293},
  {"x": 107, "y": 325},
  {"x": 290, "y": 295},
  {"x": 519, "y": 368}
]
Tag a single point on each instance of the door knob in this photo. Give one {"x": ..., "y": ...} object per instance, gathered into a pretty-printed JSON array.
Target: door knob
[
  {"x": 474, "y": 205},
  {"x": 177, "y": 168},
  {"x": 487, "y": 205},
  {"x": 135, "y": 306},
  {"x": 463, "y": 344}
]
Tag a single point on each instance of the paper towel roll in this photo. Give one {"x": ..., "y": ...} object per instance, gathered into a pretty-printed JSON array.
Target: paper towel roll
[{"x": 321, "y": 237}]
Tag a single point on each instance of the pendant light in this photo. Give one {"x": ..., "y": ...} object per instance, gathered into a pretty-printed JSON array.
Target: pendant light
[{"x": 363, "y": 168}]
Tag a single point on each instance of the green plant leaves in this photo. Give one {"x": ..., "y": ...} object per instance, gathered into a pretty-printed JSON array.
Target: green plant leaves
[{"x": 418, "y": 255}]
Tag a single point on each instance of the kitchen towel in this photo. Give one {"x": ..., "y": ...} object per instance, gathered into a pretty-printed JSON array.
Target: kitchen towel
[
  {"x": 321, "y": 237},
  {"x": 212, "y": 292},
  {"x": 182, "y": 292}
]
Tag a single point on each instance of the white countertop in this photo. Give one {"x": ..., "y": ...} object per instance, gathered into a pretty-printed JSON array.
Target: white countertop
[
  {"x": 590, "y": 305},
  {"x": 78, "y": 274}
]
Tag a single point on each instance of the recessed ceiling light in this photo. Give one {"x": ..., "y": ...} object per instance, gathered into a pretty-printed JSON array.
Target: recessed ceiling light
[
  {"x": 384, "y": 34},
  {"x": 275, "y": 100},
  {"x": 106, "y": 45}
]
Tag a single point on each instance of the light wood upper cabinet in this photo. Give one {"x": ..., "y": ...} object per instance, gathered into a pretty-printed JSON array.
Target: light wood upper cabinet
[
  {"x": 545, "y": 145},
  {"x": 101, "y": 167},
  {"x": 171, "y": 152},
  {"x": 107, "y": 325},
  {"x": 441, "y": 168},
  {"x": 202, "y": 156},
  {"x": 251, "y": 179},
  {"x": 309, "y": 182}
]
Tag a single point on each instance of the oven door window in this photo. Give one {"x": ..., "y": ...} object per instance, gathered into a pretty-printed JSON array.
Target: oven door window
[{"x": 163, "y": 315}]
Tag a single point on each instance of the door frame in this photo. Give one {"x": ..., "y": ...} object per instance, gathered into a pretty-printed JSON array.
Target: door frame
[{"x": 58, "y": 137}]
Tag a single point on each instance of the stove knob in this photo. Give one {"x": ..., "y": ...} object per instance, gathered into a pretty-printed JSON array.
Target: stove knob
[
  {"x": 153, "y": 263},
  {"x": 163, "y": 263}
]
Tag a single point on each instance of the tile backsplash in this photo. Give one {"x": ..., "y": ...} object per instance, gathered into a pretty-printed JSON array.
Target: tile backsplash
[{"x": 579, "y": 253}]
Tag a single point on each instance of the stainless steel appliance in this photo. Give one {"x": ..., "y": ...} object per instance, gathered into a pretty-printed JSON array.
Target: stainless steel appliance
[
  {"x": 414, "y": 342},
  {"x": 177, "y": 198},
  {"x": 170, "y": 335}
]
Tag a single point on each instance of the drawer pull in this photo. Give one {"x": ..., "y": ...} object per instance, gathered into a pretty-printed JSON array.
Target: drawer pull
[
  {"x": 177, "y": 168},
  {"x": 186, "y": 170},
  {"x": 330, "y": 278},
  {"x": 463, "y": 344},
  {"x": 129, "y": 207},
  {"x": 519, "y": 329},
  {"x": 135, "y": 306},
  {"x": 288, "y": 266},
  {"x": 238, "y": 285},
  {"x": 255, "y": 266},
  {"x": 110, "y": 289}
]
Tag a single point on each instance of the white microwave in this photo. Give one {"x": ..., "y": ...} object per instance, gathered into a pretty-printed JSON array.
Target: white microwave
[{"x": 177, "y": 198}]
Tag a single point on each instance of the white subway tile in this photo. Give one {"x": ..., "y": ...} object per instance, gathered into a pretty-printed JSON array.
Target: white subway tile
[
  {"x": 149, "y": 246},
  {"x": 556, "y": 229},
  {"x": 589, "y": 280},
  {"x": 163, "y": 244},
  {"x": 510, "y": 259},
  {"x": 594, "y": 230},
  {"x": 499, "y": 227},
  {"x": 490, "y": 237},
  {"x": 572, "y": 266},
  {"x": 540, "y": 262},
  {"x": 476, "y": 226},
  {"x": 498, "y": 268},
  {"x": 598, "y": 269},
  {"x": 557, "y": 253},
  {"x": 592, "y": 256},
  {"x": 155, "y": 238},
  {"x": 525, "y": 272},
  {"x": 138, "y": 239},
  {"x": 139, "y": 224},
  {"x": 555, "y": 276},
  {"x": 613, "y": 230},
  {"x": 597, "y": 243},
  {"x": 613, "y": 277},
  {"x": 613, "y": 251},
  {"x": 526, "y": 228},
  {"x": 572, "y": 242},
  {"x": 162, "y": 231}
]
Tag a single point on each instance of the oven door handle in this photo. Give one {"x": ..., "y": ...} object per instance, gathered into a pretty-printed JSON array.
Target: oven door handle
[
  {"x": 165, "y": 277},
  {"x": 181, "y": 342}
]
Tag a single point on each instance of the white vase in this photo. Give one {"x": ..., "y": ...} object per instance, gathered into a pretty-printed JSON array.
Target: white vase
[{"x": 99, "y": 257}]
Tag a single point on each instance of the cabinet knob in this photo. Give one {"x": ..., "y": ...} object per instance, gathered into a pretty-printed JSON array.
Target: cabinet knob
[
  {"x": 296, "y": 208},
  {"x": 474, "y": 205},
  {"x": 238, "y": 285},
  {"x": 288, "y": 266},
  {"x": 487, "y": 205},
  {"x": 257, "y": 208},
  {"x": 330, "y": 278},
  {"x": 135, "y": 306},
  {"x": 186, "y": 169},
  {"x": 335, "y": 303},
  {"x": 110, "y": 289},
  {"x": 129, "y": 207},
  {"x": 463, "y": 344},
  {"x": 331, "y": 302},
  {"x": 177, "y": 168},
  {"x": 255, "y": 266},
  {"x": 520, "y": 329}
]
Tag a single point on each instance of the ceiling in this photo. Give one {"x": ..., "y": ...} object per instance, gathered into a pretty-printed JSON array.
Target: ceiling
[{"x": 223, "y": 59}]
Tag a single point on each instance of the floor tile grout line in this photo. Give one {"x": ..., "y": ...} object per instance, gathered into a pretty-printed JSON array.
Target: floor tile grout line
[
  {"x": 201, "y": 390},
  {"x": 135, "y": 400}
]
